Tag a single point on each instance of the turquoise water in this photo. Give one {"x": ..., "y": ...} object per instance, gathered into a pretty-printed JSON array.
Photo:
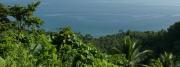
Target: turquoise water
[{"x": 101, "y": 17}]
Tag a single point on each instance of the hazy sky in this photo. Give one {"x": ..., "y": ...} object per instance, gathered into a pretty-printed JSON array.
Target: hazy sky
[{"x": 137, "y": 2}]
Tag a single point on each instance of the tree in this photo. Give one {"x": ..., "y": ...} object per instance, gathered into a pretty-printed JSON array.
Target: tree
[
  {"x": 23, "y": 16},
  {"x": 173, "y": 37},
  {"x": 5, "y": 23},
  {"x": 165, "y": 60},
  {"x": 72, "y": 51},
  {"x": 132, "y": 51},
  {"x": 174, "y": 31}
]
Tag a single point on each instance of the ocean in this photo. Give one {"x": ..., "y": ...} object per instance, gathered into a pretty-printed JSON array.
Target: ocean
[{"x": 102, "y": 17}]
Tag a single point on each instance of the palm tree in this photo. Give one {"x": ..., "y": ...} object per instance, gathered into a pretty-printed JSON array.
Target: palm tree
[
  {"x": 167, "y": 60},
  {"x": 132, "y": 51}
]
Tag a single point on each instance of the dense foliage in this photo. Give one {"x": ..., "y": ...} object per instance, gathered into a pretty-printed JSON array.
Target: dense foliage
[{"x": 24, "y": 44}]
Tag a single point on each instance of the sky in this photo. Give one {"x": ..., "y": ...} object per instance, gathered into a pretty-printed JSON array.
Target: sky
[{"x": 135, "y": 2}]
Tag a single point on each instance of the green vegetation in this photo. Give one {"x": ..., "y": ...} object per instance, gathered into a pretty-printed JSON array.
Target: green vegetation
[{"x": 24, "y": 44}]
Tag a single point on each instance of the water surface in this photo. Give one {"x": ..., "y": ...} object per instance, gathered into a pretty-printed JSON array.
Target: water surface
[{"x": 101, "y": 17}]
